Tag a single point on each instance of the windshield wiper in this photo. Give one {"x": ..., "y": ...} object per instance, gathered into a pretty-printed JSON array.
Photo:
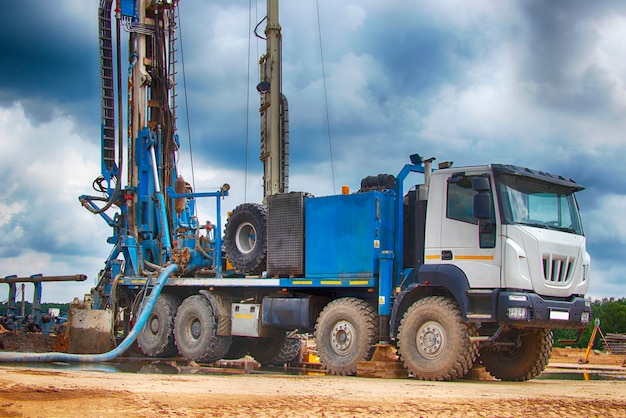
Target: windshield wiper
[
  {"x": 562, "y": 228},
  {"x": 535, "y": 224},
  {"x": 544, "y": 226}
]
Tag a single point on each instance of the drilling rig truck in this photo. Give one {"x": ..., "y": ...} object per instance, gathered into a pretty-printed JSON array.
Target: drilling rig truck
[{"x": 450, "y": 265}]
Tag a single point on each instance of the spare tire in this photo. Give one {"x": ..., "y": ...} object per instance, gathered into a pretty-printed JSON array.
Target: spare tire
[{"x": 245, "y": 238}]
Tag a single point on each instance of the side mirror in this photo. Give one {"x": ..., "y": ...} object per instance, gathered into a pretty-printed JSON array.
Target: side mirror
[
  {"x": 483, "y": 206},
  {"x": 481, "y": 184},
  {"x": 483, "y": 211},
  {"x": 482, "y": 200}
]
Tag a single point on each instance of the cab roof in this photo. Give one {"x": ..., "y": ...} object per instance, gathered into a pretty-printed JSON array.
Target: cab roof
[{"x": 538, "y": 175}]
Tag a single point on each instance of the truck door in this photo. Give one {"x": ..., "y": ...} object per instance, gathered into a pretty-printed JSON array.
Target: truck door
[{"x": 466, "y": 242}]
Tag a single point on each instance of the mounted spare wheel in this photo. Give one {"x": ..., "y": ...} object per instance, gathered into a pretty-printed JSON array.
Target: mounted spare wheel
[{"x": 245, "y": 238}]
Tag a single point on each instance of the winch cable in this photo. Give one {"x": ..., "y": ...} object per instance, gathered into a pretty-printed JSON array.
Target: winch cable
[
  {"x": 330, "y": 142},
  {"x": 9, "y": 356},
  {"x": 182, "y": 60}
]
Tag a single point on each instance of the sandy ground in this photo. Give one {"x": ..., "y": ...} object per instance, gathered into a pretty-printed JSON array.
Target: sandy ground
[{"x": 31, "y": 392}]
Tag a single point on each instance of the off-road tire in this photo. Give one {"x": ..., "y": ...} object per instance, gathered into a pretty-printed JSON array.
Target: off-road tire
[
  {"x": 346, "y": 332},
  {"x": 245, "y": 238},
  {"x": 195, "y": 331},
  {"x": 276, "y": 351},
  {"x": 156, "y": 339},
  {"x": 434, "y": 342},
  {"x": 239, "y": 347},
  {"x": 523, "y": 362}
]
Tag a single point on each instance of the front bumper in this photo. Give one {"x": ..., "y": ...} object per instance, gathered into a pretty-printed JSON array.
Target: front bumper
[{"x": 530, "y": 310}]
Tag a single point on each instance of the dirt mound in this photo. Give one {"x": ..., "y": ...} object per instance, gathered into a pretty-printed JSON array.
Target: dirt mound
[{"x": 32, "y": 342}]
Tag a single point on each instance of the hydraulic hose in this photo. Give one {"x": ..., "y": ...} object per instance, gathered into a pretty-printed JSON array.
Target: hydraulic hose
[{"x": 110, "y": 355}]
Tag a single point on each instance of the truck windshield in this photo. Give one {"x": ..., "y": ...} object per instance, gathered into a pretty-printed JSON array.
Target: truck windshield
[{"x": 539, "y": 204}]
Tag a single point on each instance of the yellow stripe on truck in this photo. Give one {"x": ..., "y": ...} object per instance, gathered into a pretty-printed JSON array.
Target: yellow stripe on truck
[
  {"x": 473, "y": 257},
  {"x": 462, "y": 257}
]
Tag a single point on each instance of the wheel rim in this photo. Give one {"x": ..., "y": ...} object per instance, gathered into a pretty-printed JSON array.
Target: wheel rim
[
  {"x": 194, "y": 328},
  {"x": 245, "y": 238},
  {"x": 154, "y": 324},
  {"x": 342, "y": 337},
  {"x": 430, "y": 339}
]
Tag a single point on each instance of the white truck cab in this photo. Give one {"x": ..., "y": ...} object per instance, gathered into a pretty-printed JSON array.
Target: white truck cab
[
  {"x": 504, "y": 252},
  {"x": 532, "y": 241}
]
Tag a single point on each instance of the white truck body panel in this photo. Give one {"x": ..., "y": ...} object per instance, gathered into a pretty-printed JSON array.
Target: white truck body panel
[{"x": 552, "y": 263}]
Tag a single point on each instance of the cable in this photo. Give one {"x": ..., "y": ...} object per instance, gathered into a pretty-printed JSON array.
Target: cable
[
  {"x": 257, "y": 26},
  {"x": 330, "y": 143},
  {"x": 120, "y": 139},
  {"x": 182, "y": 60}
]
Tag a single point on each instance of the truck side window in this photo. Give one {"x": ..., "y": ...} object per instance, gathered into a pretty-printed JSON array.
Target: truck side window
[{"x": 460, "y": 201}]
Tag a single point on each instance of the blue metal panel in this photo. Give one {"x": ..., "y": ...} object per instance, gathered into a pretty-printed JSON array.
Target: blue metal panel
[
  {"x": 385, "y": 288},
  {"x": 129, "y": 8},
  {"x": 345, "y": 234}
]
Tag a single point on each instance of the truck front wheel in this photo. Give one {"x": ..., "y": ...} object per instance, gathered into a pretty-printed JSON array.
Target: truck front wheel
[
  {"x": 195, "y": 331},
  {"x": 346, "y": 333},
  {"x": 526, "y": 357},
  {"x": 434, "y": 342}
]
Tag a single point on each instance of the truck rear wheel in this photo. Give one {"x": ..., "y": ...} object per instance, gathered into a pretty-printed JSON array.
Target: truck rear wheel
[
  {"x": 526, "y": 359},
  {"x": 346, "y": 333},
  {"x": 245, "y": 238},
  {"x": 195, "y": 331},
  {"x": 434, "y": 342},
  {"x": 276, "y": 351},
  {"x": 156, "y": 339}
]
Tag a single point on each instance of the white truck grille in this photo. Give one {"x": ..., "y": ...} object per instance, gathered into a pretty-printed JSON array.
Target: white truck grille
[{"x": 557, "y": 269}]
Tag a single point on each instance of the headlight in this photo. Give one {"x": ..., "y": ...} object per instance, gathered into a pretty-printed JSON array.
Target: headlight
[{"x": 518, "y": 313}]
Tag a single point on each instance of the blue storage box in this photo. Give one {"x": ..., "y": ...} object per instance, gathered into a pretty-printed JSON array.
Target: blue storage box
[{"x": 344, "y": 234}]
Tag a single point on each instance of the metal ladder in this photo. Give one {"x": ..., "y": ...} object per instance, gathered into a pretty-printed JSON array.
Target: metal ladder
[{"x": 172, "y": 64}]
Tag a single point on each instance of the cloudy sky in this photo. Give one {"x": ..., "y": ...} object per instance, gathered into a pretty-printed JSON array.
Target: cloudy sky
[{"x": 534, "y": 83}]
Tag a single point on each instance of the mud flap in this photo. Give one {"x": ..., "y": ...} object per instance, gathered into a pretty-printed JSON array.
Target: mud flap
[{"x": 90, "y": 331}]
